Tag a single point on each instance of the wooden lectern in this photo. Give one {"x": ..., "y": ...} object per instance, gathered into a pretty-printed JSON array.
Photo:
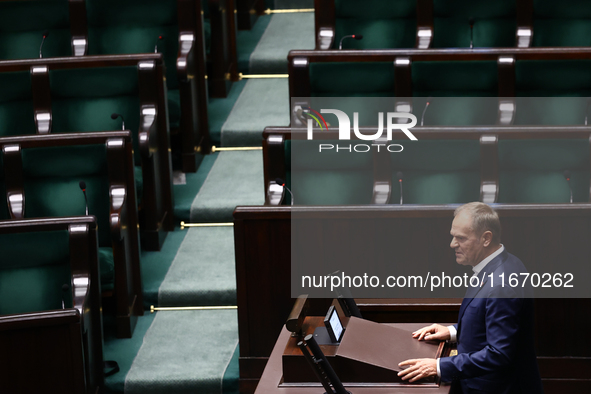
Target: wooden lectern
[{"x": 366, "y": 360}]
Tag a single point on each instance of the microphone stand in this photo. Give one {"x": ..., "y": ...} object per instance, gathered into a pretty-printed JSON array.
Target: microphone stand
[{"x": 321, "y": 367}]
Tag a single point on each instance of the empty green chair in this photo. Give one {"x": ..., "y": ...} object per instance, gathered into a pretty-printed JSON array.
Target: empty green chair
[
  {"x": 23, "y": 24},
  {"x": 561, "y": 24},
  {"x": 50, "y": 313},
  {"x": 533, "y": 171},
  {"x": 494, "y": 23}
]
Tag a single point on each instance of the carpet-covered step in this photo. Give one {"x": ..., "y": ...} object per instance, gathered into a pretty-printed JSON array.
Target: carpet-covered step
[
  {"x": 177, "y": 353},
  {"x": 236, "y": 178},
  {"x": 203, "y": 271},
  {"x": 262, "y": 103},
  {"x": 283, "y": 33}
]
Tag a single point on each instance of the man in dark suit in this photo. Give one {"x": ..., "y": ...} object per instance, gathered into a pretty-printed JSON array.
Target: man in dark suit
[{"x": 494, "y": 333}]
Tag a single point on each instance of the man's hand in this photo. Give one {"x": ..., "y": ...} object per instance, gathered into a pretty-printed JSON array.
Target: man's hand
[
  {"x": 419, "y": 368},
  {"x": 434, "y": 332}
]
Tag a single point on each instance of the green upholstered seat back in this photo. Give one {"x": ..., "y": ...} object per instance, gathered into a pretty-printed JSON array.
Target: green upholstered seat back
[
  {"x": 328, "y": 178},
  {"x": 562, "y": 23},
  {"x": 533, "y": 171},
  {"x": 133, "y": 26},
  {"x": 83, "y": 100},
  {"x": 360, "y": 79},
  {"x": 494, "y": 23},
  {"x": 383, "y": 23},
  {"x": 22, "y": 24},
  {"x": 437, "y": 172},
  {"x": 33, "y": 269},
  {"x": 52, "y": 177},
  {"x": 552, "y": 78},
  {"x": 16, "y": 104},
  {"x": 453, "y": 84}
]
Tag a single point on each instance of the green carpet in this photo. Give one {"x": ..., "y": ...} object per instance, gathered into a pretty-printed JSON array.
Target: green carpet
[
  {"x": 124, "y": 351},
  {"x": 284, "y": 33},
  {"x": 219, "y": 109},
  {"x": 262, "y": 103},
  {"x": 155, "y": 265},
  {"x": 235, "y": 179},
  {"x": 185, "y": 194},
  {"x": 203, "y": 271},
  {"x": 247, "y": 40},
  {"x": 184, "y": 352}
]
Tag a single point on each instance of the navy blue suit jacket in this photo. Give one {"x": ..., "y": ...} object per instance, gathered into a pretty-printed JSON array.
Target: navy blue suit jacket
[{"x": 495, "y": 335}]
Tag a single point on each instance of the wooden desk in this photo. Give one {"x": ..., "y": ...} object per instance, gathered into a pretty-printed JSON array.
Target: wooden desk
[{"x": 272, "y": 380}]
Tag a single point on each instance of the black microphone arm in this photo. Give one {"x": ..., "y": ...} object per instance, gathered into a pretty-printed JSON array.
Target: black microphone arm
[
  {"x": 82, "y": 185},
  {"x": 400, "y": 177},
  {"x": 45, "y": 34},
  {"x": 156, "y": 46},
  {"x": 567, "y": 177},
  {"x": 321, "y": 367},
  {"x": 471, "y": 22},
  {"x": 115, "y": 115},
  {"x": 65, "y": 288},
  {"x": 281, "y": 182},
  {"x": 355, "y": 36},
  {"x": 427, "y": 104}
]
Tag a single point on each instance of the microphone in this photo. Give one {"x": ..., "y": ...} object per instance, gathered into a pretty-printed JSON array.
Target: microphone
[
  {"x": 65, "y": 288},
  {"x": 45, "y": 34},
  {"x": 471, "y": 22},
  {"x": 156, "y": 46},
  {"x": 355, "y": 36},
  {"x": 400, "y": 178},
  {"x": 280, "y": 181},
  {"x": 425, "y": 110},
  {"x": 82, "y": 185},
  {"x": 567, "y": 177},
  {"x": 115, "y": 116}
]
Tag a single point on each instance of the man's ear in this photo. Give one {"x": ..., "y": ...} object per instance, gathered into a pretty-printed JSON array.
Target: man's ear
[{"x": 487, "y": 237}]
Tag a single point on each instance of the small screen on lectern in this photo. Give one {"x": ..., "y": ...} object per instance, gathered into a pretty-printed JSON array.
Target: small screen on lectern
[{"x": 334, "y": 325}]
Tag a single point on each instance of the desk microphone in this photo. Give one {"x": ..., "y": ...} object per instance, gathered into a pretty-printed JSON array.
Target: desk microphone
[
  {"x": 45, "y": 34},
  {"x": 567, "y": 177},
  {"x": 400, "y": 177},
  {"x": 157, "y": 41},
  {"x": 82, "y": 185},
  {"x": 355, "y": 36},
  {"x": 65, "y": 288},
  {"x": 280, "y": 181},
  {"x": 115, "y": 116},
  {"x": 425, "y": 109},
  {"x": 471, "y": 22}
]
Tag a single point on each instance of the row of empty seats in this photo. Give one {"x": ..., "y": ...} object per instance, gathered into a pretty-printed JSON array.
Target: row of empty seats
[
  {"x": 451, "y": 24},
  {"x": 445, "y": 166}
]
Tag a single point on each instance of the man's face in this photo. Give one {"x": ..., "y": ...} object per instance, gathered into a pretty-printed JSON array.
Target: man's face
[{"x": 469, "y": 247}]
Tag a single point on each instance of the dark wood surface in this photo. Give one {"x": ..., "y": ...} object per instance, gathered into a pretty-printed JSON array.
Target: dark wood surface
[
  {"x": 64, "y": 347},
  {"x": 247, "y": 13},
  {"x": 263, "y": 269},
  {"x": 272, "y": 378},
  {"x": 128, "y": 295},
  {"x": 223, "y": 62}
]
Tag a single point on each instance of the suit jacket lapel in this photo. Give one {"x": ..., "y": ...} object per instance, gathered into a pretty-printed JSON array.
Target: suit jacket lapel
[{"x": 483, "y": 278}]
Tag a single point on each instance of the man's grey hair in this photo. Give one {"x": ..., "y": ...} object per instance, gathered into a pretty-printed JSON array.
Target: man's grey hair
[{"x": 484, "y": 218}]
